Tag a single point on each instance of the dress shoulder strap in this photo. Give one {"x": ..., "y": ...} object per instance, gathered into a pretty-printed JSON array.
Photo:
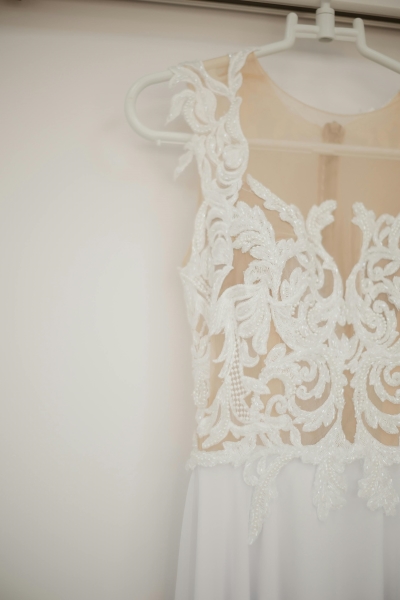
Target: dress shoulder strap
[{"x": 217, "y": 143}]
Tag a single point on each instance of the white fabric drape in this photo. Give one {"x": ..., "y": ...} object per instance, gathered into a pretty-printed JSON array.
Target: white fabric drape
[{"x": 354, "y": 555}]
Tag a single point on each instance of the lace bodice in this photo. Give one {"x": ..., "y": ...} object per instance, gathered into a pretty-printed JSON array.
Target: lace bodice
[{"x": 295, "y": 356}]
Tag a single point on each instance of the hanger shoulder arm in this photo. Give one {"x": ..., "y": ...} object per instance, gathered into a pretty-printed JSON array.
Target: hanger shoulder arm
[
  {"x": 132, "y": 116},
  {"x": 365, "y": 50}
]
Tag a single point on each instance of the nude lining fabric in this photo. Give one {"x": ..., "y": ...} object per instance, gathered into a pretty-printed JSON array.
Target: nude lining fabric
[
  {"x": 292, "y": 286},
  {"x": 306, "y": 180}
]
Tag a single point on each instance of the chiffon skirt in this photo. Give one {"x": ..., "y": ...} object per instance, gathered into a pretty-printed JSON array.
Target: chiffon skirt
[{"x": 354, "y": 555}]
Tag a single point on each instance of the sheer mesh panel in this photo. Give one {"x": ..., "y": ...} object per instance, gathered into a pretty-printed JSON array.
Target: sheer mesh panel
[{"x": 306, "y": 179}]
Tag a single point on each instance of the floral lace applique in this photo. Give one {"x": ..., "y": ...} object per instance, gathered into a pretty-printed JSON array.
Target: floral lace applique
[{"x": 285, "y": 288}]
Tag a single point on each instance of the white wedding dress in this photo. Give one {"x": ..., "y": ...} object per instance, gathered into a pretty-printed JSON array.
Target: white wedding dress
[{"x": 292, "y": 286}]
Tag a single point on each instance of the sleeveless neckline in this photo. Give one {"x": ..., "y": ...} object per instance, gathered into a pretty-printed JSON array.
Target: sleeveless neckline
[
  {"x": 364, "y": 114},
  {"x": 251, "y": 57}
]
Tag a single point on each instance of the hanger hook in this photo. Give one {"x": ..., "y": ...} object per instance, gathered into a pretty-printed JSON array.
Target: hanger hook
[{"x": 325, "y": 16}]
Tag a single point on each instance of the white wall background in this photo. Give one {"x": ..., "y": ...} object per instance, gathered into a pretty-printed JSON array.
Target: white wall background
[{"x": 96, "y": 416}]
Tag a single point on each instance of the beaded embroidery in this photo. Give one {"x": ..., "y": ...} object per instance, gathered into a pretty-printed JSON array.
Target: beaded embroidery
[{"x": 282, "y": 288}]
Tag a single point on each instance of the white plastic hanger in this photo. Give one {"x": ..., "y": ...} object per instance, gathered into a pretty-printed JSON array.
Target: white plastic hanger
[{"x": 323, "y": 30}]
